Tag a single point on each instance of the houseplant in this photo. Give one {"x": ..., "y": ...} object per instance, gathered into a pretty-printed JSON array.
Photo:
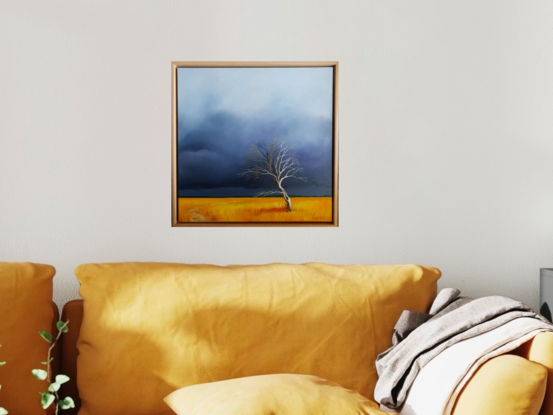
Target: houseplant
[{"x": 51, "y": 396}]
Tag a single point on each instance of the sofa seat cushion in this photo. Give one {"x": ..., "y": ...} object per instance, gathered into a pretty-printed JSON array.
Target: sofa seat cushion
[
  {"x": 506, "y": 385},
  {"x": 279, "y": 394},
  {"x": 150, "y": 328},
  {"x": 25, "y": 308}
]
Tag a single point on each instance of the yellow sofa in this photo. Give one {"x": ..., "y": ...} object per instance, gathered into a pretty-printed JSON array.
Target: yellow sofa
[
  {"x": 25, "y": 308},
  {"x": 145, "y": 330}
]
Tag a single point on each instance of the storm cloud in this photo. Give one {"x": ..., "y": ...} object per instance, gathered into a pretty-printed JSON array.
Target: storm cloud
[{"x": 222, "y": 112}]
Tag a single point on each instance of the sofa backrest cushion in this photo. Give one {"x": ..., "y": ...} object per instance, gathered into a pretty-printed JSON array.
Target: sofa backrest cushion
[
  {"x": 25, "y": 309},
  {"x": 151, "y": 328}
]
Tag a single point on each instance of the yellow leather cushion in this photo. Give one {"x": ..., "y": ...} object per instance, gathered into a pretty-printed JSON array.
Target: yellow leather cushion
[
  {"x": 25, "y": 308},
  {"x": 282, "y": 394},
  {"x": 505, "y": 385},
  {"x": 152, "y": 328},
  {"x": 540, "y": 350}
]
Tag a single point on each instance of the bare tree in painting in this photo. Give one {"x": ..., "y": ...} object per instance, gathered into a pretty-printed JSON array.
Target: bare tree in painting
[{"x": 275, "y": 159}]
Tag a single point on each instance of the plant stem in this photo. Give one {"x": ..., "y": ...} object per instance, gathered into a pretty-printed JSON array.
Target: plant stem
[{"x": 48, "y": 368}]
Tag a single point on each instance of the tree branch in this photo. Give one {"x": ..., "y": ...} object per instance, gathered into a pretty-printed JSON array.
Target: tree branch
[
  {"x": 272, "y": 192},
  {"x": 272, "y": 158}
]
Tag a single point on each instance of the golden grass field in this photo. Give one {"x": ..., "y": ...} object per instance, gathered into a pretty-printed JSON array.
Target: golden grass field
[{"x": 251, "y": 209}]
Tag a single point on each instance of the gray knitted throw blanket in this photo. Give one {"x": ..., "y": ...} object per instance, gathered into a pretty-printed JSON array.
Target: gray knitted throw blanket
[{"x": 419, "y": 337}]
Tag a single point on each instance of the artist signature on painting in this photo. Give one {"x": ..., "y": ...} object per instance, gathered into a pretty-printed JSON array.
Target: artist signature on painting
[{"x": 321, "y": 218}]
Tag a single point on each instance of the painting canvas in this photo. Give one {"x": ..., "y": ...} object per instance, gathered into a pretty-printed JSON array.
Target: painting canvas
[{"x": 255, "y": 144}]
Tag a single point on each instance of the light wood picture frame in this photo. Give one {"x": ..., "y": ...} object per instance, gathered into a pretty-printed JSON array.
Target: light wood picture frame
[{"x": 254, "y": 144}]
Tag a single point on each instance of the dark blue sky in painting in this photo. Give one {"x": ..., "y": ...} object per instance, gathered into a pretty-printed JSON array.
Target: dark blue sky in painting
[{"x": 221, "y": 112}]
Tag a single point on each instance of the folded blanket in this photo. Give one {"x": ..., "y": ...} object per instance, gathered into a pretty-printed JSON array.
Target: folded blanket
[
  {"x": 439, "y": 383},
  {"x": 420, "y": 337}
]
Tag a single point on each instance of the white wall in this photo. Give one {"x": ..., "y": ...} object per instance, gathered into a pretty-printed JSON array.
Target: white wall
[{"x": 446, "y": 133}]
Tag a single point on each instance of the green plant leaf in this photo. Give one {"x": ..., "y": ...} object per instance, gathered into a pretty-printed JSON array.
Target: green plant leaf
[
  {"x": 62, "y": 326},
  {"x": 54, "y": 387},
  {"x": 48, "y": 361},
  {"x": 39, "y": 374},
  {"x": 61, "y": 379},
  {"x": 45, "y": 335},
  {"x": 3, "y": 411},
  {"x": 67, "y": 403},
  {"x": 46, "y": 400}
]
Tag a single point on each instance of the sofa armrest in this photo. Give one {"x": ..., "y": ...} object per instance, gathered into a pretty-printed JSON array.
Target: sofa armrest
[
  {"x": 540, "y": 350},
  {"x": 506, "y": 385}
]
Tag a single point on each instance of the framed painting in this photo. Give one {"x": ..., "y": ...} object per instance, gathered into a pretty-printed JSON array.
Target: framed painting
[{"x": 254, "y": 143}]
